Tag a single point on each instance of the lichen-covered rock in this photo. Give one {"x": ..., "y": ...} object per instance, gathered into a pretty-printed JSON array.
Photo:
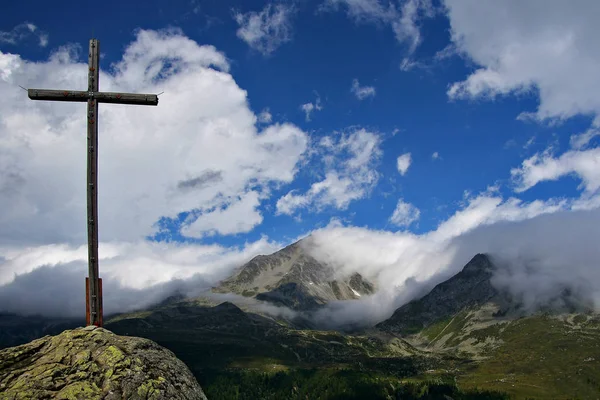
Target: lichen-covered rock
[{"x": 94, "y": 363}]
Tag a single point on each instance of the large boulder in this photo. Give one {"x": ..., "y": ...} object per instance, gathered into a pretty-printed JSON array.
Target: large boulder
[{"x": 94, "y": 363}]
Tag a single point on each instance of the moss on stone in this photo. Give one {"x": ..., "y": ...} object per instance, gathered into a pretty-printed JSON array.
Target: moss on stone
[
  {"x": 79, "y": 391},
  {"x": 111, "y": 356},
  {"x": 151, "y": 388}
]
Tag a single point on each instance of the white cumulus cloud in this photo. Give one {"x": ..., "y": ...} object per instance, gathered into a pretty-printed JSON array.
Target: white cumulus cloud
[
  {"x": 265, "y": 116},
  {"x": 403, "y": 20},
  {"x": 199, "y": 149},
  {"x": 585, "y": 164},
  {"x": 239, "y": 216},
  {"x": 362, "y": 92},
  {"x": 23, "y": 31},
  {"x": 549, "y": 47},
  {"x": 582, "y": 140},
  {"x": 309, "y": 108},
  {"x": 266, "y": 30},
  {"x": 405, "y": 214},
  {"x": 403, "y": 163},
  {"x": 350, "y": 173}
]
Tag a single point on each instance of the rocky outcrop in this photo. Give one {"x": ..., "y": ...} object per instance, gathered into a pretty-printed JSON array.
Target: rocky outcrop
[
  {"x": 93, "y": 363},
  {"x": 471, "y": 287},
  {"x": 293, "y": 278}
]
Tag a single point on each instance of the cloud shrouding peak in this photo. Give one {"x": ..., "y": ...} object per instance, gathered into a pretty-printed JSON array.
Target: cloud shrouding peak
[
  {"x": 403, "y": 163},
  {"x": 266, "y": 30},
  {"x": 349, "y": 174},
  {"x": 362, "y": 92},
  {"x": 546, "y": 46},
  {"x": 405, "y": 214},
  {"x": 135, "y": 275},
  {"x": 543, "y": 247},
  {"x": 203, "y": 132},
  {"x": 22, "y": 32}
]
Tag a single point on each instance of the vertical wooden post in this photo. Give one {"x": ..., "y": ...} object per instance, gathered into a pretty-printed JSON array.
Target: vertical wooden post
[
  {"x": 92, "y": 183},
  {"x": 87, "y": 301},
  {"x": 101, "y": 311}
]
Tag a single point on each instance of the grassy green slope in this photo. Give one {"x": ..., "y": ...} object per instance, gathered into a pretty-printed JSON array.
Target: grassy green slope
[
  {"x": 544, "y": 357},
  {"x": 238, "y": 355},
  {"x": 540, "y": 356}
]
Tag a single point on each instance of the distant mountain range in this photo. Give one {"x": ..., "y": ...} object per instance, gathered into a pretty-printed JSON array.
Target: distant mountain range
[{"x": 463, "y": 331}]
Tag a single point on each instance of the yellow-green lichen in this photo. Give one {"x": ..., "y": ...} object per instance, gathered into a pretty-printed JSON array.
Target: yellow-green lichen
[
  {"x": 111, "y": 356},
  {"x": 150, "y": 388},
  {"x": 79, "y": 391},
  {"x": 82, "y": 357},
  {"x": 138, "y": 365}
]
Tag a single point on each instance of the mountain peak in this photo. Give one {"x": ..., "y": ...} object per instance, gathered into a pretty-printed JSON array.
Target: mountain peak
[
  {"x": 481, "y": 262},
  {"x": 228, "y": 306},
  {"x": 470, "y": 287},
  {"x": 294, "y": 278}
]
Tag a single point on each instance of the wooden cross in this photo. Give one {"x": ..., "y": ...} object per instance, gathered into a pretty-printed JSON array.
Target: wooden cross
[{"x": 93, "y": 96}]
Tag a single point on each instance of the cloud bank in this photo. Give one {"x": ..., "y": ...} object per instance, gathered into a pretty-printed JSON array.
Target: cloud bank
[
  {"x": 541, "y": 248},
  {"x": 199, "y": 151},
  {"x": 50, "y": 280}
]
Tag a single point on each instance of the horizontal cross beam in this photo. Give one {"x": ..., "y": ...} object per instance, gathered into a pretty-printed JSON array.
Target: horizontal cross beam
[{"x": 100, "y": 97}]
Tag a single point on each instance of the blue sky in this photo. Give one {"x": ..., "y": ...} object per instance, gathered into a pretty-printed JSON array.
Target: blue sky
[
  {"x": 312, "y": 52},
  {"x": 395, "y": 129},
  {"x": 478, "y": 141}
]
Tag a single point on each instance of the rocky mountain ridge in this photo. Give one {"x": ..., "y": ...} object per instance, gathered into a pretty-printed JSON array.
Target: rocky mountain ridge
[
  {"x": 471, "y": 287},
  {"x": 464, "y": 330},
  {"x": 293, "y": 278}
]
